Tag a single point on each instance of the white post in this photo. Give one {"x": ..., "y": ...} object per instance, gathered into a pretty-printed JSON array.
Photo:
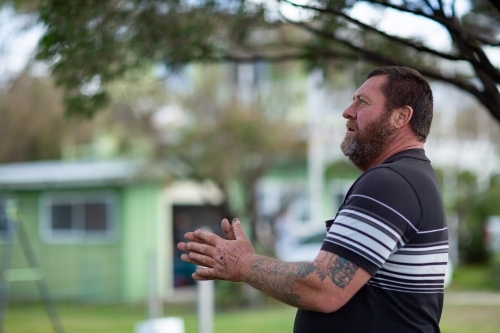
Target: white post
[
  {"x": 315, "y": 159},
  {"x": 205, "y": 295},
  {"x": 154, "y": 301}
]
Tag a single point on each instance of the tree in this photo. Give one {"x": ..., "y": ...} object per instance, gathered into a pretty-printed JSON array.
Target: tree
[
  {"x": 90, "y": 43},
  {"x": 230, "y": 142},
  {"x": 33, "y": 126}
]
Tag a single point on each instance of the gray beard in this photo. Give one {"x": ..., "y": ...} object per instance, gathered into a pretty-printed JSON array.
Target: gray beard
[{"x": 365, "y": 147}]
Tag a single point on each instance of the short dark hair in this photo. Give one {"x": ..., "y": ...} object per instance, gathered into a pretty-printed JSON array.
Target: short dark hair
[{"x": 407, "y": 87}]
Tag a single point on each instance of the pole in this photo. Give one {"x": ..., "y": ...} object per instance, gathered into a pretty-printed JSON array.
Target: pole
[
  {"x": 315, "y": 158},
  {"x": 205, "y": 293},
  {"x": 154, "y": 304}
]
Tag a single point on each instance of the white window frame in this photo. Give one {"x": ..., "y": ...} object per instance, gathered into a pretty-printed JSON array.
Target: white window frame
[{"x": 75, "y": 236}]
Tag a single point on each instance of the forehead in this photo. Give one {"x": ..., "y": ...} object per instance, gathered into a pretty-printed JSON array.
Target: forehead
[{"x": 372, "y": 88}]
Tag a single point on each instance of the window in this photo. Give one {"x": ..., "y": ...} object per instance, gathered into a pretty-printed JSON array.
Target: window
[
  {"x": 78, "y": 217},
  {"x": 6, "y": 224}
]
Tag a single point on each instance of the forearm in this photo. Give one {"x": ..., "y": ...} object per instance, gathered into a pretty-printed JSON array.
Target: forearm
[
  {"x": 323, "y": 285},
  {"x": 305, "y": 285}
]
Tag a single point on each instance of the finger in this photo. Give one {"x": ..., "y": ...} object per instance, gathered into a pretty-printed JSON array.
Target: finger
[
  {"x": 206, "y": 273},
  {"x": 228, "y": 229},
  {"x": 205, "y": 249},
  {"x": 208, "y": 237},
  {"x": 200, "y": 278},
  {"x": 238, "y": 230},
  {"x": 186, "y": 258},
  {"x": 204, "y": 260},
  {"x": 192, "y": 237},
  {"x": 182, "y": 246}
]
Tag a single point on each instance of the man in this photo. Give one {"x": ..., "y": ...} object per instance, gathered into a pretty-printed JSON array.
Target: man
[{"x": 381, "y": 267}]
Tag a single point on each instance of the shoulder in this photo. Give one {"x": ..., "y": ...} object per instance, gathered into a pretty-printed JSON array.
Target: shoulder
[
  {"x": 383, "y": 182},
  {"x": 385, "y": 194}
]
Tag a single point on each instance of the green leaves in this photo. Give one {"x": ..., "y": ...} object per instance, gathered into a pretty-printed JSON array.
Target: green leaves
[{"x": 105, "y": 39}]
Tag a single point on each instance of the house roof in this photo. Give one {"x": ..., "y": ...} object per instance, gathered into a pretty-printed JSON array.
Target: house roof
[{"x": 56, "y": 174}]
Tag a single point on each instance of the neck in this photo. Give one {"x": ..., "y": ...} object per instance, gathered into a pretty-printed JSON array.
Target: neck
[{"x": 399, "y": 142}]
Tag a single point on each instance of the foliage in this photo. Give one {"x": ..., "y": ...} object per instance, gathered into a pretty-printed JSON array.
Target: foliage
[
  {"x": 26, "y": 6},
  {"x": 34, "y": 126},
  {"x": 342, "y": 169},
  {"x": 230, "y": 141},
  {"x": 95, "y": 42},
  {"x": 475, "y": 209}
]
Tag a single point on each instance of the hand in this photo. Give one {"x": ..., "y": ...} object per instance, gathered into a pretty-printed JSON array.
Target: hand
[
  {"x": 222, "y": 259},
  {"x": 190, "y": 236}
]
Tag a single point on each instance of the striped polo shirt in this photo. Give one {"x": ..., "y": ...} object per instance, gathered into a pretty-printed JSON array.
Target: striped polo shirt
[{"x": 392, "y": 224}]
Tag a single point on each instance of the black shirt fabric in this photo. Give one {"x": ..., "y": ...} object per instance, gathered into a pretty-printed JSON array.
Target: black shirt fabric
[{"x": 392, "y": 224}]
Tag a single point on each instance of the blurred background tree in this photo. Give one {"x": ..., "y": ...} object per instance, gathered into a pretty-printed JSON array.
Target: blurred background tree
[{"x": 90, "y": 43}]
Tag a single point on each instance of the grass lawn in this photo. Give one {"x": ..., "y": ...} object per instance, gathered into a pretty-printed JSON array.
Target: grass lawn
[
  {"x": 470, "y": 319},
  {"x": 473, "y": 277},
  {"x": 31, "y": 318},
  {"x": 78, "y": 318}
]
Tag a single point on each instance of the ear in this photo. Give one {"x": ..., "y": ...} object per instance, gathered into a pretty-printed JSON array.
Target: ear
[{"x": 401, "y": 116}]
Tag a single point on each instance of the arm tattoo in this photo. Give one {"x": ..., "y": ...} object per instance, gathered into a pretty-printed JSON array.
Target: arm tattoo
[
  {"x": 278, "y": 279},
  {"x": 341, "y": 271}
]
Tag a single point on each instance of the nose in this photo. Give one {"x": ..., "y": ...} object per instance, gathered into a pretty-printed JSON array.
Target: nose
[{"x": 349, "y": 112}]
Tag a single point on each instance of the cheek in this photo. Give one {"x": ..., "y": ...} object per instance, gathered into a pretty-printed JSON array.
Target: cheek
[{"x": 365, "y": 119}]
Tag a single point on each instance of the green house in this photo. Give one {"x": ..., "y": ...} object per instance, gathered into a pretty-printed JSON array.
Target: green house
[{"x": 101, "y": 231}]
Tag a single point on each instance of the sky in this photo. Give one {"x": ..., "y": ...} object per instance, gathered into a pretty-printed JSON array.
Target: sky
[{"x": 17, "y": 44}]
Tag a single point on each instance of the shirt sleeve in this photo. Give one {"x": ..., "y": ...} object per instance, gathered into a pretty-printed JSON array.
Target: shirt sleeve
[{"x": 380, "y": 215}]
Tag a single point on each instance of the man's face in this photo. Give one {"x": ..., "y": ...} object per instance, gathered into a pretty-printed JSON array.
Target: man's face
[{"x": 368, "y": 126}]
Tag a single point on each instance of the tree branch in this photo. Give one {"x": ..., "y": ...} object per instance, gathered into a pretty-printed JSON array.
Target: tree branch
[
  {"x": 429, "y": 5},
  {"x": 406, "y": 42},
  {"x": 489, "y": 100},
  {"x": 495, "y": 3},
  {"x": 468, "y": 42},
  {"x": 443, "y": 20}
]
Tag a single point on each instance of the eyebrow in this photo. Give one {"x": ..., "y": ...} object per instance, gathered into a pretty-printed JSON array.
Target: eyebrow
[{"x": 359, "y": 96}]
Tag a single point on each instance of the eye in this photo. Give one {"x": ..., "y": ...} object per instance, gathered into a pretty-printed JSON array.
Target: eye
[{"x": 362, "y": 101}]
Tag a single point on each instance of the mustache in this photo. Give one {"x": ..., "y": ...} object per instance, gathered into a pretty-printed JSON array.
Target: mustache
[{"x": 352, "y": 124}]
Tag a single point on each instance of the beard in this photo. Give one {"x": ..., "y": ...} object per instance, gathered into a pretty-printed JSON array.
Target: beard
[{"x": 364, "y": 147}]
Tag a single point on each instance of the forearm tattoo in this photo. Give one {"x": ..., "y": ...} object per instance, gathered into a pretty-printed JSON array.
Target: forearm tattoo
[{"x": 279, "y": 279}]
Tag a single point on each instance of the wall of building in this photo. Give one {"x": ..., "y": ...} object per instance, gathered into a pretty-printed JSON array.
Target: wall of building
[
  {"x": 142, "y": 214},
  {"x": 88, "y": 271}
]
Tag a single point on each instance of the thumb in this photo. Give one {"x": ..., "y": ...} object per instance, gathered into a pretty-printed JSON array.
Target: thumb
[
  {"x": 227, "y": 229},
  {"x": 238, "y": 230}
]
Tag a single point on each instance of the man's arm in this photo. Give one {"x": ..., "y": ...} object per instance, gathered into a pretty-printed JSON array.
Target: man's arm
[{"x": 323, "y": 285}]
